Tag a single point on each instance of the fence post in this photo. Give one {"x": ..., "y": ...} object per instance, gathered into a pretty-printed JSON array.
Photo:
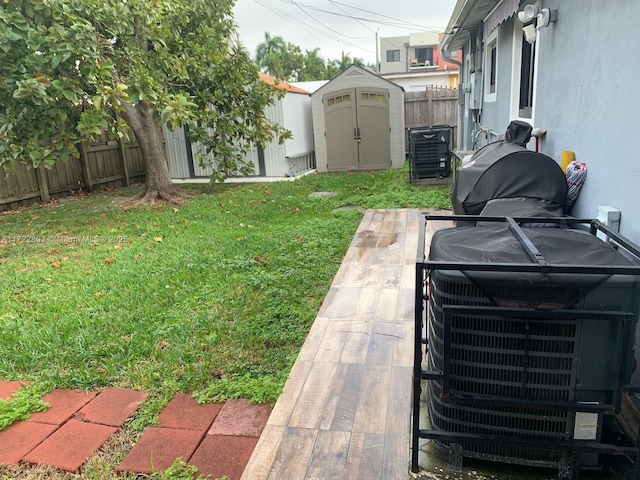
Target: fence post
[
  {"x": 41, "y": 175},
  {"x": 123, "y": 157},
  {"x": 86, "y": 171}
]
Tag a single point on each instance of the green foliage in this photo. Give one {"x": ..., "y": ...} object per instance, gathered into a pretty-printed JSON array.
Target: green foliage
[
  {"x": 285, "y": 61},
  {"x": 265, "y": 389},
  {"x": 148, "y": 412},
  {"x": 270, "y": 55},
  {"x": 180, "y": 470},
  {"x": 69, "y": 68},
  {"x": 314, "y": 67},
  {"x": 23, "y": 403}
]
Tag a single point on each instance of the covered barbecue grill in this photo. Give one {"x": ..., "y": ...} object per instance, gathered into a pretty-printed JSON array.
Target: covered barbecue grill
[{"x": 508, "y": 170}]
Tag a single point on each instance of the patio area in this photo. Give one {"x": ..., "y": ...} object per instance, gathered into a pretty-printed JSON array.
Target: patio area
[{"x": 346, "y": 407}]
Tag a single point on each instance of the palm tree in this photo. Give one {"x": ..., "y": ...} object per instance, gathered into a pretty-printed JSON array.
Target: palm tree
[
  {"x": 344, "y": 62},
  {"x": 269, "y": 55},
  {"x": 314, "y": 66}
]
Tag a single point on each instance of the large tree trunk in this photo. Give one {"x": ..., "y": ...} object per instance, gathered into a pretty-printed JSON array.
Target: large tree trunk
[{"x": 158, "y": 183}]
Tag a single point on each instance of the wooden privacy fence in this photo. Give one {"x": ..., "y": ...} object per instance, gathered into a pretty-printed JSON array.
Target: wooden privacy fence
[
  {"x": 107, "y": 163},
  {"x": 434, "y": 106},
  {"x": 116, "y": 163}
]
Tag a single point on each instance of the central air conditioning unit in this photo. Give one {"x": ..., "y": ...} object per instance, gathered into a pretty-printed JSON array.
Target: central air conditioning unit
[
  {"x": 529, "y": 334},
  {"x": 430, "y": 152}
]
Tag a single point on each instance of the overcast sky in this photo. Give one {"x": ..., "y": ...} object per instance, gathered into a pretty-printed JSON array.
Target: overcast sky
[{"x": 338, "y": 25}]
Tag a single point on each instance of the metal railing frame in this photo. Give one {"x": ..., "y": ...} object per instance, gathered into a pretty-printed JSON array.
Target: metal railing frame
[{"x": 538, "y": 264}]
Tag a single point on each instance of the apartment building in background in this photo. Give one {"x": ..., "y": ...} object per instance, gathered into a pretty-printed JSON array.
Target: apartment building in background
[{"x": 414, "y": 62}]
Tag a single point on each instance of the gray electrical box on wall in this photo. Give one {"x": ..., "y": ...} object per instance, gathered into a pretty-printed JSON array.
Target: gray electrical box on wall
[{"x": 475, "y": 91}]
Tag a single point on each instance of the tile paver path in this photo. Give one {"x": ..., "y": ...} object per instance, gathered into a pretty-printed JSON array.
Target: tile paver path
[
  {"x": 217, "y": 438},
  {"x": 345, "y": 409},
  {"x": 70, "y": 445}
]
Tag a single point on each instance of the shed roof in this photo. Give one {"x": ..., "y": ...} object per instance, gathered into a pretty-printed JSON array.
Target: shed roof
[
  {"x": 281, "y": 84},
  {"x": 355, "y": 70}
]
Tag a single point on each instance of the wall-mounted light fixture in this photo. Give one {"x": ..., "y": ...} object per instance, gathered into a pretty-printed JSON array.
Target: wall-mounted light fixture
[
  {"x": 534, "y": 18},
  {"x": 528, "y": 15},
  {"x": 545, "y": 17},
  {"x": 530, "y": 33}
]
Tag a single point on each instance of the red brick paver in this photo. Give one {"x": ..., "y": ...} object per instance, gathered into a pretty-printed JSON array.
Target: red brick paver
[
  {"x": 219, "y": 455},
  {"x": 217, "y": 438},
  {"x": 158, "y": 448},
  {"x": 112, "y": 406},
  {"x": 7, "y": 389},
  {"x": 63, "y": 404},
  {"x": 70, "y": 446},
  {"x": 241, "y": 418},
  {"x": 20, "y": 438},
  {"x": 185, "y": 413}
]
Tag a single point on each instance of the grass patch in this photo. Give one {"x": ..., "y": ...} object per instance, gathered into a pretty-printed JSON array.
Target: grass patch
[{"x": 213, "y": 297}]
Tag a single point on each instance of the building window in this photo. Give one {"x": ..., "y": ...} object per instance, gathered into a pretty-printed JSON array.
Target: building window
[
  {"x": 490, "y": 67},
  {"x": 493, "y": 57},
  {"x": 527, "y": 72},
  {"x": 373, "y": 97},
  {"x": 393, "y": 55},
  {"x": 523, "y": 76},
  {"x": 424, "y": 56},
  {"x": 346, "y": 98}
]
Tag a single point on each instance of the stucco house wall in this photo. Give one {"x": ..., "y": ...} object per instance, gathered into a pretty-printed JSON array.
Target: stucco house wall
[
  {"x": 588, "y": 101},
  {"x": 585, "y": 96}
]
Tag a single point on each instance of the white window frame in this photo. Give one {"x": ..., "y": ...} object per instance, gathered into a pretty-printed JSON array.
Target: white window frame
[
  {"x": 492, "y": 41},
  {"x": 516, "y": 63},
  {"x": 393, "y": 60}
]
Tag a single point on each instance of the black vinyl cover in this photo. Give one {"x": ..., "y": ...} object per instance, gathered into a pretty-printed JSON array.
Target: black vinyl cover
[
  {"x": 559, "y": 246},
  {"x": 507, "y": 170},
  {"x": 497, "y": 244},
  {"x": 522, "y": 207},
  {"x": 518, "y": 132}
]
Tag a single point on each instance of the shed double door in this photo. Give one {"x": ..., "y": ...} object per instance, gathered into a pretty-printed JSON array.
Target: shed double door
[{"x": 357, "y": 129}]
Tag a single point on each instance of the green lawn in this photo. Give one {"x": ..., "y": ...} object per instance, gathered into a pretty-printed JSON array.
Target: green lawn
[{"x": 213, "y": 297}]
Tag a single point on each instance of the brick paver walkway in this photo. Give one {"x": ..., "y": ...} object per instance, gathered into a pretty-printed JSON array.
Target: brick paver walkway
[{"x": 217, "y": 438}]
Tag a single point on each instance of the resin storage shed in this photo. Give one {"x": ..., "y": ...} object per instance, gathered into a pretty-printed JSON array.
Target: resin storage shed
[{"x": 358, "y": 122}]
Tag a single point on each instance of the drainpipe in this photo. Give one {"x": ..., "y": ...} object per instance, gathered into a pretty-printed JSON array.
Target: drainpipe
[
  {"x": 451, "y": 60},
  {"x": 460, "y": 112},
  {"x": 455, "y": 62}
]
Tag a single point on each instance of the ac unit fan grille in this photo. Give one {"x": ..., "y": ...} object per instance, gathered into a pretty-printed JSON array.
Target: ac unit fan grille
[
  {"x": 430, "y": 157},
  {"x": 511, "y": 294},
  {"x": 513, "y": 358}
]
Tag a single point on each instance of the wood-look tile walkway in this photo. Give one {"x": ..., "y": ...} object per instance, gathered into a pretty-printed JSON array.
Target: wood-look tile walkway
[{"x": 346, "y": 407}]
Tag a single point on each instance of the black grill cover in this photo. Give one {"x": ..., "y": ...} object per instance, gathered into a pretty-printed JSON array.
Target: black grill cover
[
  {"x": 522, "y": 207},
  {"x": 507, "y": 170}
]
